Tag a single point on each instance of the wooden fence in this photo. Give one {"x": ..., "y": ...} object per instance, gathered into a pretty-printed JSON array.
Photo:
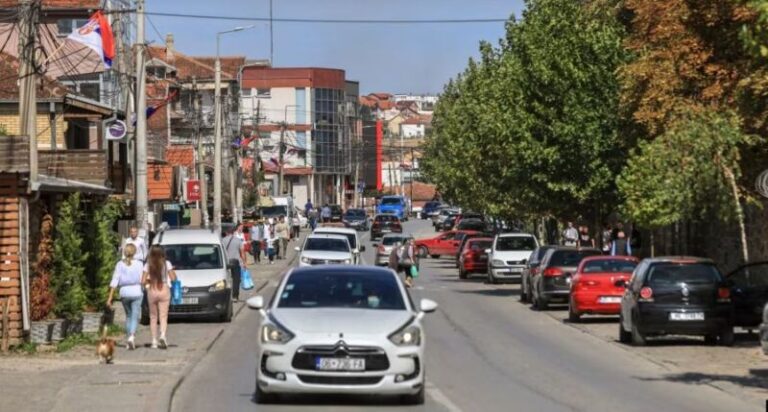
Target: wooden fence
[
  {"x": 14, "y": 154},
  {"x": 88, "y": 166},
  {"x": 10, "y": 273}
]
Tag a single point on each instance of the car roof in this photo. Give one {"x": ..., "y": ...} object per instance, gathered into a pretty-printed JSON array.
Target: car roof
[
  {"x": 479, "y": 239},
  {"x": 343, "y": 269},
  {"x": 344, "y": 230},
  {"x": 515, "y": 235},
  {"x": 575, "y": 249},
  {"x": 328, "y": 236},
  {"x": 406, "y": 235},
  {"x": 608, "y": 257},
  {"x": 680, "y": 259},
  {"x": 187, "y": 237}
]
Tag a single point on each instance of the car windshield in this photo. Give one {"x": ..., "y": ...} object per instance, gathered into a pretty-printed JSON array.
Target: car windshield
[
  {"x": 609, "y": 266},
  {"x": 471, "y": 225},
  {"x": 390, "y": 201},
  {"x": 480, "y": 245},
  {"x": 391, "y": 240},
  {"x": 515, "y": 243},
  {"x": 386, "y": 218},
  {"x": 538, "y": 254},
  {"x": 342, "y": 290},
  {"x": 194, "y": 257},
  {"x": 326, "y": 244},
  {"x": 274, "y": 211},
  {"x": 350, "y": 236},
  {"x": 355, "y": 213},
  {"x": 570, "y": 257},
  {"x": 670, "y": 273}
]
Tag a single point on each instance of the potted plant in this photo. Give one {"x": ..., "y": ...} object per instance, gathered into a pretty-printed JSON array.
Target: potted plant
[
  {"x": 101, "y": 263},
  {"x": 69, "y": 266},
  {"x": 41, "y": 296}
]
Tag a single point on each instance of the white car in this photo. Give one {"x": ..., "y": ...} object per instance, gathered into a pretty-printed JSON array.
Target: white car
[
  {"x": 341, "y": 330},
  {"x": 325, "y": 249},
  {"x": 352, "y": 236},
  {"x": 508, "y": 256}
]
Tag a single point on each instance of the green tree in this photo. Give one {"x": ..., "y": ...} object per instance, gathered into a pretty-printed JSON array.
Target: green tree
[
  {"x": 69, "y": 260},
  {"x": 104, "y": 255}
]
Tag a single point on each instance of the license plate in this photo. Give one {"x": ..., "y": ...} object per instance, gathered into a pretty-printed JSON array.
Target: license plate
[
  {"x": 686, "y": 316},
  {"x": 340, "y": 364},
  {"x": 516, "y": 270},
  {"x": 386, "y": 230},
  {"x": 609, "y": 299},
  {"x": 189, "y": 301}
]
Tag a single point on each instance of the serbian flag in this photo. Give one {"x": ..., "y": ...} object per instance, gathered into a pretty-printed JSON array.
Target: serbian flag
[
  {"x": 152, "y": 109},
  {"x": 97, "y": 34}
]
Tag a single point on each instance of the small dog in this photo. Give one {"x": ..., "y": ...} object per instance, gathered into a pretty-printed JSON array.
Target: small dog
[{"x": 105, "y": 350}]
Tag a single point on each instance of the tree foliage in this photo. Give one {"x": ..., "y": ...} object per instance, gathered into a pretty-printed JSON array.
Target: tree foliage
[
  {"x": 104, "y": 255},
  {"x": 69, "y": 260}
]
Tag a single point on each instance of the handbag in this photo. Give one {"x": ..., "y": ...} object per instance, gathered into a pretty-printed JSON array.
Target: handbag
[
  {"x": 414, "y": 271},
  {"x": 176, "y": 292},
  {"x": 246, "y": 282}
]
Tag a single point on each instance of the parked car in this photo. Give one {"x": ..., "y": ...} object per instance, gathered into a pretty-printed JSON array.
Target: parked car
[
  {"x": 464, "y": 239},
  {"x": 472, "y": 224},
  {"x": 384, "y": 249},
  {"x": 198, "y": 258},
  {"x": 385, "y": 223},
  {"x": 325, "y": 249},
  {"x": 508, "y": 256},
  {"x": 764, "y": 331},
  {"x": 356, "y": 219},
  {"x": 552, "y": 282},
  {"x": 749, "y": 292},
  {"x": 677, "y": 295},
  {"x": 444, "y": 214},
  {"x": 473, "y": 257},
  {"x": 442, "y": 244},
  {"x": 341, "y": 330},
  {"x": 531, "y": 268},
  {"x": 351, "y": 234},
  {"x": 598, "y": 285},
  {"x": 470, "y": 215},
  {"x": 449, "y": 223},
  {"x": 430, "y": 208},
  {"x": 397, "y": 205},
  {"x": 336, "y": 213}
]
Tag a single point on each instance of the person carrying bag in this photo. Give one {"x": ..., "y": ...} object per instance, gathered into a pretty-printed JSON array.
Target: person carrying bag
[{"x": 407, "y": 261}]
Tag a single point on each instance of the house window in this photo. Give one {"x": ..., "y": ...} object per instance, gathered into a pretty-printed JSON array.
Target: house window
[
  {"x": 264, "y": 93},
  {"x": 90, "y": 90},
  {"x": 158, "y": 72},
  {"x": 67, "y": 26},
  {"x": 245, "y": 92}
]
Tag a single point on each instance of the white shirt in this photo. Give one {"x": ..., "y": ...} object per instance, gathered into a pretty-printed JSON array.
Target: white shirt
[
  {"x": 141, "y": 247},
  {"x": 168, "y": 268},
  {"x": 128, "y": 279}
]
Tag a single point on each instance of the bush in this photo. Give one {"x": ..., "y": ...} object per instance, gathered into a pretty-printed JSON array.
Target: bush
[
  {"x": 104, "y": 241},
  {"x": 69, "y": 261},
  {"x": 41, "y": 296}
]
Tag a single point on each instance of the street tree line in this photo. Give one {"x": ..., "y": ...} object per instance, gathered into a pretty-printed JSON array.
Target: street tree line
[{"x": 652, "y": 110}]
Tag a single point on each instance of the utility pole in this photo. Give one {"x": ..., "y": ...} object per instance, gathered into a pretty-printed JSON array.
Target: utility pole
[
  {"x": 28, "y": 81},
  {"x": 281, "y": 156},
  {"x": 141, "y": 121},
  {"x": 217, "y": 142},
  {"x": 257, "y": 157},
  {"x": 200, "y": 155},
  {"x": 402, "y": 161},
  {"x": 271, "y": 38}
]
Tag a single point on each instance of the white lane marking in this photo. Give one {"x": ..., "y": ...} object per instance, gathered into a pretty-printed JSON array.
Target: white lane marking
[{"x": 435, "y": 393}]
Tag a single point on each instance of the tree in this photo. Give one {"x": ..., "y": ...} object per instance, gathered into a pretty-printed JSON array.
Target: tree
[
  {"x": 69, "y": 260},
  {"x": 41, "y": 297},
  {"x": 104, "y": 255}
]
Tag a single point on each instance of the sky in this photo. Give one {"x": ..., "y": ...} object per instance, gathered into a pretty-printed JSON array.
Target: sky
[{"x": 396, "y": 58}]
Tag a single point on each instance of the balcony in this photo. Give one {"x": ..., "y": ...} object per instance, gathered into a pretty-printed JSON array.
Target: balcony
[
  {"x": 14, "y": 154},
  {"x": 89, "y": 166}
]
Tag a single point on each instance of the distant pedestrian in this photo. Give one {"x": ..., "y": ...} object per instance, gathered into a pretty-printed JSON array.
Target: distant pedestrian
[
  {"x": 621, "y": 245},
  {"x": 158, "y": 274},
  {"x": 270, "y": 238},
  {"x": 607, "y": 238},
  {"x": 307, "y": 207},
  {"x": 616, "y": 229},
  {"x": 127, "y": 277},
  {"x": 325, "y": 213},
  {"x": 234, "y": 249},
  {"x": 257, "y": 237},
  {"x": 585, "y": 240},
  {"x": 283, "y": 235},
  {"x": 134, "y": 239},
  {"x": 312, "y": 217},
  {"x": 295, "y": 227},
  {"x": 570, "y": 235}
]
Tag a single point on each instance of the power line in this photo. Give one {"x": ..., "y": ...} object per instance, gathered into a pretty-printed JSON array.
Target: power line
[{"x": 327, "y": 21}]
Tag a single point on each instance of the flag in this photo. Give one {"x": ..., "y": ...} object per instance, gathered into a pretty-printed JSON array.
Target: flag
[
  {"x": 152, "y": 109},
  {"x": 97, "y": 34}
]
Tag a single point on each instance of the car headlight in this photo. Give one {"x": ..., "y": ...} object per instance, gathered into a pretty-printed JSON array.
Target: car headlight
[
  {"x": 408, "y": 336},
  {"x": 346, "y": 261},
  {"x": 220, "y": 285},
  {"x": 497, "y": 262},
  {"x": 306, "y": 260},
  {"x": 271, "y": 333}
]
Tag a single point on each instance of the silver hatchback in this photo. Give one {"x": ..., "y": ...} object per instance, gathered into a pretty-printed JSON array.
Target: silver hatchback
[{"x": 384, "y": 249}]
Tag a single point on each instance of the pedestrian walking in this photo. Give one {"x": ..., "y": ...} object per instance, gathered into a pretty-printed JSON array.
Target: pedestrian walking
[
  {"x": 307, "y": 207},
  {"x": 570, "y": 235},
  {"x": 406, "y": 259},
  {"x": 158, "y": 274},
  {"x": 234, "y": 248},
  {"x": 127, "y": 277},
  {"x": 312, "y": 217},
  {"x": 270, "y": 238},
  {"x": 607, "y": 238},
  {"x": 257, "y": 237},
  {"x": 134, "y": 239},
  {"x": 295, "y": 227},
  {"x": 621, "y": 246},
  {"x": 585, "y": 240},
  {"x": 283, "y": 235},
  {"x": 325, "y": 213}
]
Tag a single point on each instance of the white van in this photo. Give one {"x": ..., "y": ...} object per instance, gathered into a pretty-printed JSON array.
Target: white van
[{"x": 199, "y": 260}]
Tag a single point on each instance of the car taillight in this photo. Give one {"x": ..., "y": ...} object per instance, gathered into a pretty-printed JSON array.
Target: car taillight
[
  {"x": 723, "y": 295},
  {"x": 646, "y": 293},
  {"x": 552, "y": 272}
]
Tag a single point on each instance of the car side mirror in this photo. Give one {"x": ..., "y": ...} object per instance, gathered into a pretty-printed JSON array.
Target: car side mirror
[
  {"x": 621, "y": 283},
  {"x": 428, "y": 306},
  {"x": 255, "y": 302},
  {"x": 298, "y": 249}
]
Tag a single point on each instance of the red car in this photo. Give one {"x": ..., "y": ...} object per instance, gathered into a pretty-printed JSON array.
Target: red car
[
  {"x": 446, "y": 243},
  {"x": 598, "y": 285},
  {"x": 473, "y": 258}
]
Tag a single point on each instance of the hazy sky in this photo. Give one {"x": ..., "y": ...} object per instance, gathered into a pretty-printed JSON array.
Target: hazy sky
[{"x": 392, "y": 57}]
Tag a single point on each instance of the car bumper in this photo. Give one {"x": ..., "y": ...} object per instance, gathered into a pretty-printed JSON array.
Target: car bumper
[
  {"x": 590, "y": 303},
  {"x": 555, "y": 287},
  {"x": 475, "y": 266},
  {"x": 208, "y": 304},
  {"x": 655, "y": 320},
  {"x": 381, "y": 260},
  {"x": 276, "y": 374},
  {"x": 511, "y": 273}
]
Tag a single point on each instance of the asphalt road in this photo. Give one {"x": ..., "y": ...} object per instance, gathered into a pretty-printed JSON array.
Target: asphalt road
[{"x": 485, "y": 352}]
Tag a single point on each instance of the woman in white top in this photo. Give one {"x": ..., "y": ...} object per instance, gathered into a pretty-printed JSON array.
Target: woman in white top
[
  {"x": 271, "y": 239},
  {"x": 158, "y": 274},
  {"x": 127, "y": 277}
]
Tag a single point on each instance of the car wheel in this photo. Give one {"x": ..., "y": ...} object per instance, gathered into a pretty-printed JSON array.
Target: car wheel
[
  {"x": 638, "y": 339},
  {"x": 524, "y": 297},
  {"x": 423, "y": 251},
  {"x": 727, "y": 337},
  {"x": 624, "y": 336},
  {"x": 435, "y": 256},
  {"x": 263, "y": 398},
  {"x": 227, "y": 317},
  {"x": 542, "y": 303},
  {"x": 573, "y": 316},
  {"x": 462, "y": 273},
  {"x": 415, "y": 399},
  {"x": 492, "y": 280}
]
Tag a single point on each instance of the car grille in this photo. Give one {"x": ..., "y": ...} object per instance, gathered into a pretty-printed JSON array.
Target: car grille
[
  {"x": 515, "y": 262},
  {"x": 325, "y": 262},
  {"x": 375, "y": 358},
  {"x": 188, "y": 308},
  {"x": 340, "y": 380}
]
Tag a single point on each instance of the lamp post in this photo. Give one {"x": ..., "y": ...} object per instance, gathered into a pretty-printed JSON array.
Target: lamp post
[{"x": 217, "y": 131}]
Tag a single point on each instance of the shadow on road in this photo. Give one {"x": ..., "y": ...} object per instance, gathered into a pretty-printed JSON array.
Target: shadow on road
[
  {"x": 336, "y": 400},
  {"x": 589, "y": 320},
  {"x": 757, "y": 378},
  {"x": 492, "y": 292}
]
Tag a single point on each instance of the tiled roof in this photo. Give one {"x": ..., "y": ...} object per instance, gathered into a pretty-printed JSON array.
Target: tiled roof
[
  {"x": 421, "y": 119},
  {"x": 181, "y": 155},
  {"x": 59, "y": 4},
  {"x": 200, "y": 67},
  {"x": 9, "y": 82},
  {"x": 160, "y": 189}
]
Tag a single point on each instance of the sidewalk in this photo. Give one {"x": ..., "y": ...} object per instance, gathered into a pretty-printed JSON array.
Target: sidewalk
[{"x": 143, "y": 379}]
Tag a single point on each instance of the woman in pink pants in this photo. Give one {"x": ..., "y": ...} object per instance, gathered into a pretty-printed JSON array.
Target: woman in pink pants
[{"x": 158, "y": 274}]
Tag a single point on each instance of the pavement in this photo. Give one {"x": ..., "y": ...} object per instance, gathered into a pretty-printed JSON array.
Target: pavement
[{"x": 140, "y": 380}]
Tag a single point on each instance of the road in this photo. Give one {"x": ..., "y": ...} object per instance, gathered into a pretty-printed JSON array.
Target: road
[{"x": 485, "y": 352}]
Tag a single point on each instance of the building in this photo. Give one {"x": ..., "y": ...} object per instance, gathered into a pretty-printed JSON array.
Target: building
[
  {"x": 424, "y": 102},
  {"x": 416, "y": 127},
  {"x": 304, "y": 119}
]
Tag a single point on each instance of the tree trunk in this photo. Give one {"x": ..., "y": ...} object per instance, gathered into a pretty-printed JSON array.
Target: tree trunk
[{"x": 739, "y": 211}]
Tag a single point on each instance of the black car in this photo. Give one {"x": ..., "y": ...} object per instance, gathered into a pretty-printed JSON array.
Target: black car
[
  {"x": 471, "y": 224},
  {"x": 531, "y": 268},
  {"x": 355, "y": 219},
  {"x": 552, "y": 282},
  {"x": 448, "y": 223},
  {"x": 336, "y": 213},
  {"x": 676, "y": 295},
  {"x": 749, "y": 292},
  {"x": 385, "y": 223}
]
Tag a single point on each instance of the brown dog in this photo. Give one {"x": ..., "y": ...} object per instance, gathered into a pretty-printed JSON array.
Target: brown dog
[{"x": 105, "y": 350}]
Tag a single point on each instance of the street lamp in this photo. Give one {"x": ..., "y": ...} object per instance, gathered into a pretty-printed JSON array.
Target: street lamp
[{"x": 217, "y": 131}]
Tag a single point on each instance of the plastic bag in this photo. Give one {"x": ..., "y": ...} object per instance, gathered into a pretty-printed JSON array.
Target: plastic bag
[
  {"x": 414, "y": 271},
  {"x": 246, "y": 281},
  {"x": 176, "y": 292}
]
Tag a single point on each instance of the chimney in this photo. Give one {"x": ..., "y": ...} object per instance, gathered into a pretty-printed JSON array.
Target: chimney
[{"x": 169, "y": 47}]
